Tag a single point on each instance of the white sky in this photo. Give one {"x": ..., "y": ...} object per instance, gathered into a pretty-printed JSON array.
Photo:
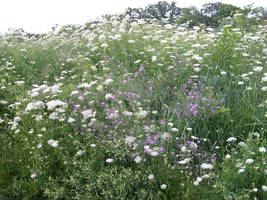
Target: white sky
[{"x": 40, "y": 15}]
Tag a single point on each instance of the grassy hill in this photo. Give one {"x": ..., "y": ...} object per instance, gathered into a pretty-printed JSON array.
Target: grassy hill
[{"x": 125, "y": 110}]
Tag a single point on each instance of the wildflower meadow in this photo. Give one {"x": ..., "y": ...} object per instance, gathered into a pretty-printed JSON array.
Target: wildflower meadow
[{"x": 134, "y": 110}]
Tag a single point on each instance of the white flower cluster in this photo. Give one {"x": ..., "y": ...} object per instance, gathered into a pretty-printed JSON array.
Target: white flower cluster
[
  {"x": 141, "y": 114},
  {"x": 130, "y": 139},
  {"x": 53, "y": 143},
  {"x": 34, "y": 105},
  {"x": 55, "y": 103},
  {"x": 206, "y": 166},
  {"x": 127, "y": 113},
  {"x": 88, "y": 114},
  {"x": 54, "y": 89},
  {"x": 183, "y": 162}
]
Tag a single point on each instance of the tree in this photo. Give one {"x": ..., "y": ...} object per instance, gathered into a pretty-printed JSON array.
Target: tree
[
  {"x": 159, "y": 11},
  {"x": 162, "y": 10},
  {"x": 215, "y": 12},
  {"x": 193, "y": 16}
]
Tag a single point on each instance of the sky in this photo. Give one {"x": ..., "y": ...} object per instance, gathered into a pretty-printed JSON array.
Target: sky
[{"x": 39, "y": 16}]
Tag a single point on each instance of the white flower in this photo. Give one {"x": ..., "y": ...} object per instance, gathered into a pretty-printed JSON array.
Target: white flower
[
  {"x": 53, "y": 143},
  {"x": 93, "y": 145},
  {"x": 55, "y": 88},
  {"x": 174, "y": 130},
  {"x": 104, "y": 45},
  {"x": 127, "y": 113},
  {"x": 142, "y": 114},
  {"x": 240, "y": 83},
  {"x": 206, "y": 166},
  {"x": 186, "y": 160},
  {"x": 163, "y": 186},
  {"x": 17, "y": 131},
  {"x": 205, "y": 176},
  {"x": 255, "y": 189},
  {"x": 71, "y": 120},
  {"x": 88, "y": 114},
  {"x": 80, "y": 152},
  {"x": 249, "y": 161},
  {"x": 228, "y": 156},
  {"x": 154, "y": 153},
  {"x": 17, "y": 119},
  {"x": 197, "y": 69},
  {"x": 262, "y": 149},
  {"x": 146, "y": 147},
  {"x": 170, "y": 124},
  {"x": 108, "y": 96},
  {"x": 74, "y": 92},
  {"x": 130, "y": 140},
  {"x": 183, "y": 149},
  {"x": 39, "y": 145},
  {"x": 199, "y": 179},
  {"x": 53, "y": 115},
  {"x": 137, "y": 159},
  {"x": 194, "y": 137},
  {"x": 198, "y": 58},
  {"x": 34, "y": 105},
  {"x": 241, "y": 170},
  {"x": 19, "y": 83},
  {"x": 231, "y": 139},
  {"x": 151, "y": 177},
  {"x": 154, "y": 58},
  {"x": 257, "y": 69},
  {"x": 33, "y": 176},
  {"x": 264, "y": 188},
  {"x": 264, "y": 79},
  {"x": 108, "y": 81},
  {"x": 242, "y": 144},
  {"x": 85, "y": 85},
  {"x": 3, "y": 102},
  {"x": 223, "y": 73},
  {"x": 137, "y": 61},
  {"x": 54, "y": 103},
  {"x": 165, "y": 136},
  {"x": 38, "y": 117},
  {"x": 109, "y": 160},
  {"x": 100, "y": 88},
  {"x": 34, "y": 94},
  {"x": 196, "y": 183},
  {"x": 264, "y": 89}
]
